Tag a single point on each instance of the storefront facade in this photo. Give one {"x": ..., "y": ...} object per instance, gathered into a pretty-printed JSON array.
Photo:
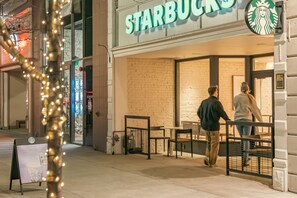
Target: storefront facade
[
  {"x": 85, "y": 76},
  {"x": 18, "y": 94},
  {"x": 77, "y": 34},
  {"x": 166, "y": 54}
]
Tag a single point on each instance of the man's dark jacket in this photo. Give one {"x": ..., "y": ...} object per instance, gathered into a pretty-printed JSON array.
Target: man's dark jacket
[{"x": 210, "y": 112}]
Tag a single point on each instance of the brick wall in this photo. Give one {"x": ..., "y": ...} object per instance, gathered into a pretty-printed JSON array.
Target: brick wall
[
  {"x": 151, "y": 89},
  {"x": 292, "y": 93},
  {"x": 194, "y": 82},
  {"x": 227, "y": 69}
]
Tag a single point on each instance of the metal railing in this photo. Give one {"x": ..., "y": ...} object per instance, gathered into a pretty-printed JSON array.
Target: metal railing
[
  {"x": 140, "y": 129},
  {"x": 259, "y": 153}
]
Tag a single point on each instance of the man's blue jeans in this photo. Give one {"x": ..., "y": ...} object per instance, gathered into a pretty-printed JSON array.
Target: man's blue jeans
[{"x": 244, "y": 131}]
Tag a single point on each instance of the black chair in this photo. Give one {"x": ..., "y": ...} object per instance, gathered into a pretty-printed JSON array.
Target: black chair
[
  {"x": 181, "y": 140},
  {"x": 159, "y": 128}
]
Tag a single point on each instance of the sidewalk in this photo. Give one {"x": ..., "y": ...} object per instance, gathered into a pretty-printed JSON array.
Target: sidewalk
[{"x": 92, "y": 174}]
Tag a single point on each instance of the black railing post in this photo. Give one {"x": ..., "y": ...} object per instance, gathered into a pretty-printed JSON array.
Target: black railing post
[
  {"x": 149, "y": 138},
  {"x": 141, "y": 129},
  {"x": 273, "y": 146},
  {"x": 126, "y": 141},
  {"x": 227, "y": 147}
]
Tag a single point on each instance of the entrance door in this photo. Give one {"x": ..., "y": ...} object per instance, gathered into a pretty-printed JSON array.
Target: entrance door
[
  {"x": 81, "y": 103},
  {"x": 77, "y": 102},
  {"x": 263, "y": 84},
  {"x": 88, "y": 105}
]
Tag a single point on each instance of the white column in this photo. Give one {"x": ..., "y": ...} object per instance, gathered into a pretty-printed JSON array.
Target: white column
[
  {"x": 280, "y": 169},
  {"x": 291, "y": 16},
  {"x": 30, "y": 104},
  {"x": 1, "y": 99},
  {"x": 5, "y": 100},
  {"x": 111, "y": 40}
]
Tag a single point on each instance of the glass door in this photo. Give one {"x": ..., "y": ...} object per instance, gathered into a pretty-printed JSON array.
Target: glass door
[
  {"x": 66, "y": 103},
  {"x": 77, "y": 103},
  {"x": 263, "y": 89},
  {"x": 263, "y": 86},
  {"x": 88, "y": 102}
]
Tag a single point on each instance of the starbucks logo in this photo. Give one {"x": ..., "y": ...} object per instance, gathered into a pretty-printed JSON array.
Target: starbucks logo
[{"x": 261, "y": 16}]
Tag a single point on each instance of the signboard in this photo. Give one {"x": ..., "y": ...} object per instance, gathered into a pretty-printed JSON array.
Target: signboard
[
  {"x": 261, "y": 16},
  {"x": 171, "y": 12},
  {"x": 280, "y": 81},
  {"x": 29, "y": 161}
]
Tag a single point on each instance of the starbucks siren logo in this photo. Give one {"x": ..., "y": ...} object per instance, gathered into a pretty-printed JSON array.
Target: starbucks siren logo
[{"x": 261, "y": 16}]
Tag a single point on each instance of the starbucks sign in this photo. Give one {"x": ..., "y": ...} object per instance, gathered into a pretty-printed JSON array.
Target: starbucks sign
[
  {"x": 261, "y": 16},
  {"x": 171, "y": 12}
]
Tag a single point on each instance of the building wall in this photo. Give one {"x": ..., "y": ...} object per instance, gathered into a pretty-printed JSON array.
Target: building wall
[
  {"x": 150, "y": 88},
  {"x": 292, "y": 94},
  {"x": 100, "y": 75},
  {"x": 121, "y": 92},
  {"x": 35, "y": 103},
  {"x": 17, "y": 98},
  {"x": 144, "y": 87},
  {"x": 4, "y": 100},
  {"x": 1, "y": 100},
  {"x": 228, "y": 69},
  {"x": 284, "y": 172},
  {"x": 194, "y": 82}
]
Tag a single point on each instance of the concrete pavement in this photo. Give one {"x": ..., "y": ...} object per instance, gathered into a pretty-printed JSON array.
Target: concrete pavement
[{"x": 92, "y": 174}]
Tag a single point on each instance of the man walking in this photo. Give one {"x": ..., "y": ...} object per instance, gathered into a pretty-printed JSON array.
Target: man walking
[{"x": 209, "y": 113}]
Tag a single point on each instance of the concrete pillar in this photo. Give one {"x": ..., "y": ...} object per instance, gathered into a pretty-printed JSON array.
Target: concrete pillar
[
  {"x": 100, "y": 73},
  {"x": 280, "y": 170},
  {"x": 291, "y": 17},
  {"x": 35, "y": 105},
  {"x": 30, "y": 112},
  {"x": 285, "y": 170},
  {"x": 4, "y": 100},
  {"x": 1, "y": 100},
  {"x": 110, "y": 79}
]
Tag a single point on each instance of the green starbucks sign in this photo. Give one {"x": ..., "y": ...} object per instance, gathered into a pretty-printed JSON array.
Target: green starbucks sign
[
  {"x": 261, "y": 16},
  {"x": 171, "y": 12}
]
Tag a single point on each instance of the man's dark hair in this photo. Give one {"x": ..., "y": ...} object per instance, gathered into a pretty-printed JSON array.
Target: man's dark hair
[{"x": 212, "y": 89}]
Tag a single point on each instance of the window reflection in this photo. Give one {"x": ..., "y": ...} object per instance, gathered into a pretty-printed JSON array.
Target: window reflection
[{"x": 263, "y": 63}]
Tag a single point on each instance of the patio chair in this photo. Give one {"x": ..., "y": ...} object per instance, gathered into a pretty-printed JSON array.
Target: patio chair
[{"x": 181, "y": 140}]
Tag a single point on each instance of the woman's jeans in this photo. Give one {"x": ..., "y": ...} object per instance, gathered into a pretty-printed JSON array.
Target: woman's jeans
[{"x": 244, "y": 130}]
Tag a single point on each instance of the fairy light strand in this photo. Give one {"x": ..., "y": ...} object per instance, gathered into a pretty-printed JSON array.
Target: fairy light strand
[{"x": 54, "y": 117}]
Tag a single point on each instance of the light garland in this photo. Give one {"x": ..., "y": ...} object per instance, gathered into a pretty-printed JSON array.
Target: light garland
[{"x": 51, "y": 94}]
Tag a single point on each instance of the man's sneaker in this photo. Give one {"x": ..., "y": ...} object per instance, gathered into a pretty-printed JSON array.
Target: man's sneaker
[{"x": 206, "y": 162}]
